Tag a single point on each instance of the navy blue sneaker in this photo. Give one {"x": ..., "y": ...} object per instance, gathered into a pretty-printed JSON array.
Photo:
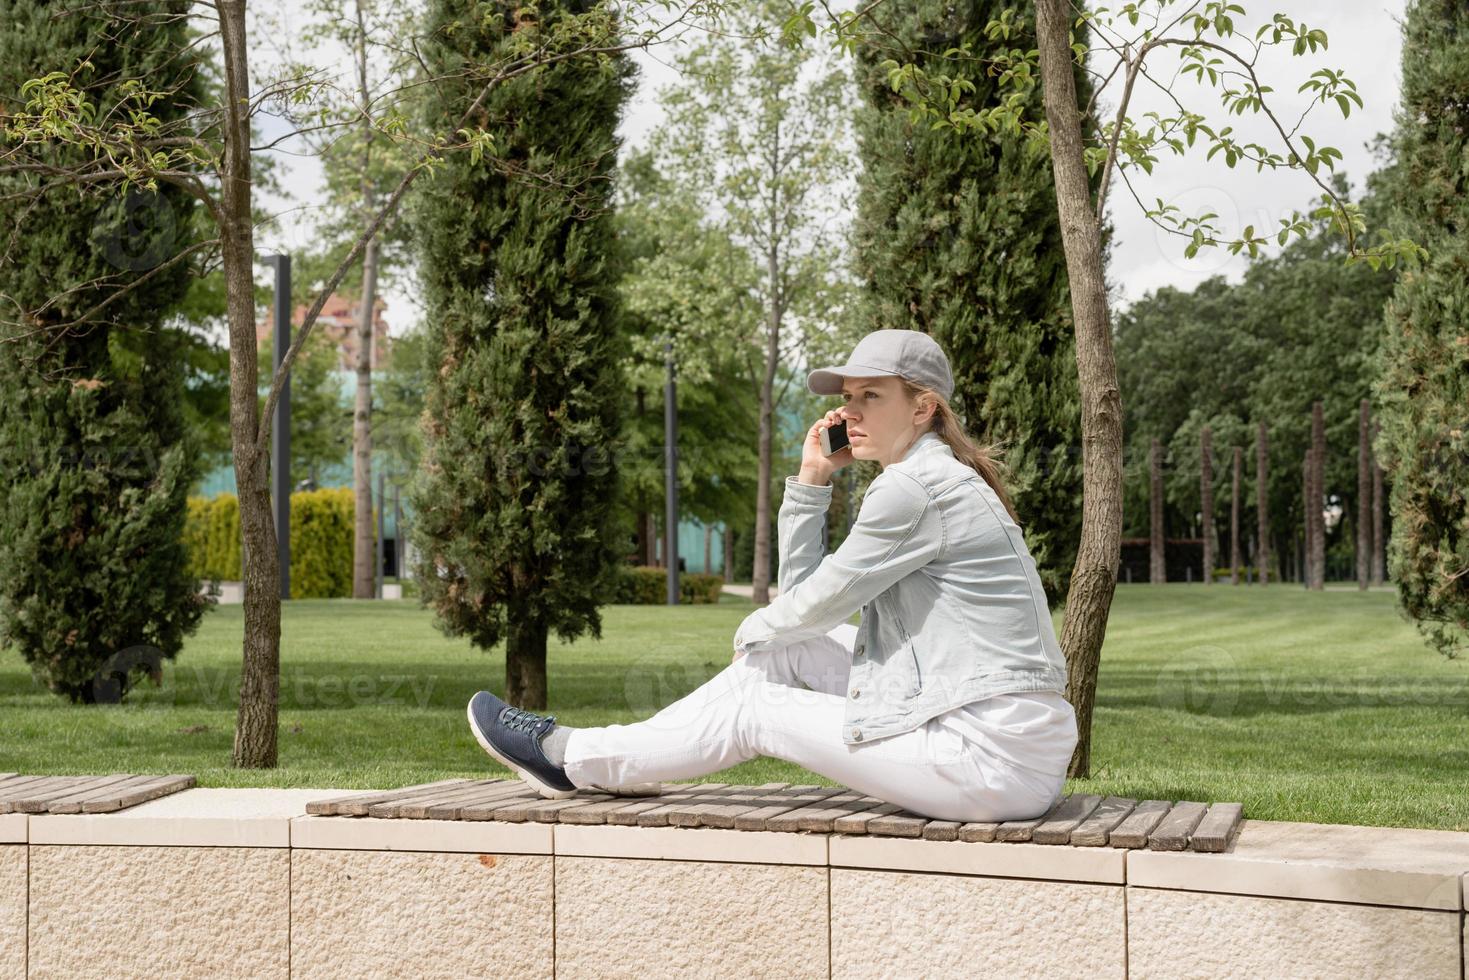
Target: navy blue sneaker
[{"x": 513, "y": 737}]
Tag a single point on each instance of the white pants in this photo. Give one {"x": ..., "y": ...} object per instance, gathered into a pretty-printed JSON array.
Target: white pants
[{"x": 942, "y": 769}]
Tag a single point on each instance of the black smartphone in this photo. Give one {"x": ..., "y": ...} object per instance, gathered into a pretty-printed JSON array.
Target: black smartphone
[{"x": 834, "y": 438}]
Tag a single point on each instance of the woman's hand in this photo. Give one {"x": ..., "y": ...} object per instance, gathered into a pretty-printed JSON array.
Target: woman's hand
[{"x": 816, "y": 466}]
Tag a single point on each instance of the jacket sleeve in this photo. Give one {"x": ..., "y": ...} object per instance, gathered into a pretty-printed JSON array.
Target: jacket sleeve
[
  {"x": 898, "y": 530},
  {"x": 798, "y": 528}
]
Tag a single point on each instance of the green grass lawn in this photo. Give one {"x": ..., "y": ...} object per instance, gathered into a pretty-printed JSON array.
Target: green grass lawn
[{"x": 1323, "y": 707}]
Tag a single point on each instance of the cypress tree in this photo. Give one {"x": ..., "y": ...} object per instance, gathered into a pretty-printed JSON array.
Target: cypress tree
[
  {"x": 516, "y": 501},
  {"x": 1423, "y": 393},
  {"x": 94, "y": 582},
  {"x": 957, "y": 235}
]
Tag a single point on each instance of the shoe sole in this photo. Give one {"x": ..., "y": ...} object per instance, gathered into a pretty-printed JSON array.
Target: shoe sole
[{"x": 546, "y": 792}]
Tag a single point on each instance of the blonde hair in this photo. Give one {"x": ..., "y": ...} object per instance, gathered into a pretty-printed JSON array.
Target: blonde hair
[{"x": 984, "y": 460}]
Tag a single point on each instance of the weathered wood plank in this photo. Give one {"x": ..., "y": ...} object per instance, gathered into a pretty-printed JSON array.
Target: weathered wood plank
[
  {"x": 73, "y": 802},
  {"x": 18, "y": 794},
  {"x": 1134, "y": 830},
  {"x": 897, "y": 824},
  {"x": 93, "y": 787},
  {"x": 355, "y": 804},
  {"x": 856, "y": 823},
  {"x": 6, "y": 775},
  {"x": 662, "y": 816},
  {"x": 818, "y": 815},
  {"x": 1094, "y": 830},
  {"x": 978, "y": 833},
  {"x": 1218, "y": 828},
  {"x": 417, "y": 807},
  {"x": 756, "y": 819},
  {"x": 1021, "y": 830},
  {"x": 141, "y": 793},
  {"x": 1057, "y": 828},
  {"x": 721, "y": 812},
  {"x": 941, "y": 830},
  {"x": 596, "y": 813},
  {"x": 1172, "y": 831},
  {"x": 452, "y": 809},
  {"x": 550, "y": 811},
  {"x": 383, "y": 807},
  {"x": 627, "y": 816}
]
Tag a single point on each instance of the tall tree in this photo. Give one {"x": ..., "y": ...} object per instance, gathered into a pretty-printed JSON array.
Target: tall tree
[
  {"x": 1423, "y": 394},
  {"x": 95, "y": 588},
  {"x": 1234, "y": 497},
  {"x": 1157, "y": 566},
  {"x": 1262, "y": 501},
  {"x": 1206, "y": 501},
  {"x": 516, "y": 501},
  {"x": 757, "y": 133},
  {"x": 961, "y": 239},
  {"x": 1378, "y": 545},
  {"x": 1316, "y": 514},
  {"x": 1364, "y": 494}
]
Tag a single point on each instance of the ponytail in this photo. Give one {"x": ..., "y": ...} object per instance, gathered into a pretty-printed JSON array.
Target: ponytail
[{"x": 984, "y": 460}]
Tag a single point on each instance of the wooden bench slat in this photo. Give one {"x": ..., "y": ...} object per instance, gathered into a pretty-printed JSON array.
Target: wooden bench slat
[
  {"x": 1133, "y": 831},
  {"x": 1057, "y": 828},
  {"x": 36, "y": 802},
  {"x": 721, "y": 813},
  {"x": 817, "y": 814},
  {"x": 550, "y": 811},
  {"x": 941, "y": 830},
  {"x": 1218, "y": 827},
  {"x": 381, "y": 807},
  {"x": 73, "y": 803},
  {"x": 1021, "y": 830},
  {"x": 28, "y": 788},
  {"x": 627, "y": 816},
  {"x": 141, "y": 793},
  {"x": 900, "y": 823},
  {"x": 417, "y": 807},
  {"x": 856, "y": 823},
  {"x": 355, "y": 804},
  {"x": 662, "y": 816},
  {"x": 978, "y": 833},
  {"x": 787, "y": 801},
  {"x": 453, "y": 808},
  {"x": 1173, "y": 831},
  {"x": 1094, "y": 830}
]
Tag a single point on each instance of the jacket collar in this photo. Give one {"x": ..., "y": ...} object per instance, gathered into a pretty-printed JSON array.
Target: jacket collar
[{"x": 928, "y": 442}]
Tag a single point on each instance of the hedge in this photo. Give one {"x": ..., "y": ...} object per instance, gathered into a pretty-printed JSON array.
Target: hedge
[
  {"x": 647, "y": 585},
  {"x": 321, "y": 541}
]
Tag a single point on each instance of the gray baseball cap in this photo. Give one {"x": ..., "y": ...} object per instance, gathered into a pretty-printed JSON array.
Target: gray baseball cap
[{"x": 910, "y": 354}]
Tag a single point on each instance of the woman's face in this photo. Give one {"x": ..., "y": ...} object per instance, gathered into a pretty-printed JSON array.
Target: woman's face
[{"x": 882, "y": 421}]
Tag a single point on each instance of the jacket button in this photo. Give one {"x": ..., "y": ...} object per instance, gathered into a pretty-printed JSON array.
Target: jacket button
[
  {"x": 860, "y": 648},
  {"x": 856, "y": 734},
  {"x": 856, "y": 693}
]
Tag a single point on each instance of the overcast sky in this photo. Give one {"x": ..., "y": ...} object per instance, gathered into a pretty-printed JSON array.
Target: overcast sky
[{"x": 1364, "y": 40}]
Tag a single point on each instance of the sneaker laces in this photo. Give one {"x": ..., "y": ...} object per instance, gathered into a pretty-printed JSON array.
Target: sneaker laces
[{"x": 521, "y": 720}]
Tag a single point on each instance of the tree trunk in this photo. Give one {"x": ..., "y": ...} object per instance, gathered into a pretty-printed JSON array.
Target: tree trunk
[
  {"x": 364, "y": 542},
  {"x": 525, "y": 664},
  {"x": 708, "y": 549},
  {"x": 1379, "y": 546},
  {"x": 1157, "y": 566},
  {"x": 1262, "y": 502},
  {"x": 1239, "y": 465},
  {"x": 1206, "y": 500},
  {"x": 1305, "y": 562},
  {"x": 1364, "y": 495},
  {"x": 1094, "y": 576},
  {"x": 1318, "y": 496},
  {"x": 760, "y": 576},
  {"x": 644, "y": 517},
  {"x": 728, "y": 553},
  {"x": 256, "y": 721}
]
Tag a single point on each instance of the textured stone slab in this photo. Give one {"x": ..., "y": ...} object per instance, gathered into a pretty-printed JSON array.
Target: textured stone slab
[
  {"x": 678, "y": 844},
  {"x": 13, "y": 828},
  {"x": 377, "y": 834},
  {"x": 375, "y": 914},
  {"x": 199, "y": 817},
  {"x": 1320, "y": 862},
  {"x": 14, "y": 874},
  {"x": 1178, "y": 934},
  {"x": 1002, "y": 859},
  {"x": 940, "y": 925},
  {"x": 689, "y": 919},
  {"x": 107, "y": 912}
]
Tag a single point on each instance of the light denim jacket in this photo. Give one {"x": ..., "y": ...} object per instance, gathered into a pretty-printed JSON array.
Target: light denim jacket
[{"x": 952, "y": 607}]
